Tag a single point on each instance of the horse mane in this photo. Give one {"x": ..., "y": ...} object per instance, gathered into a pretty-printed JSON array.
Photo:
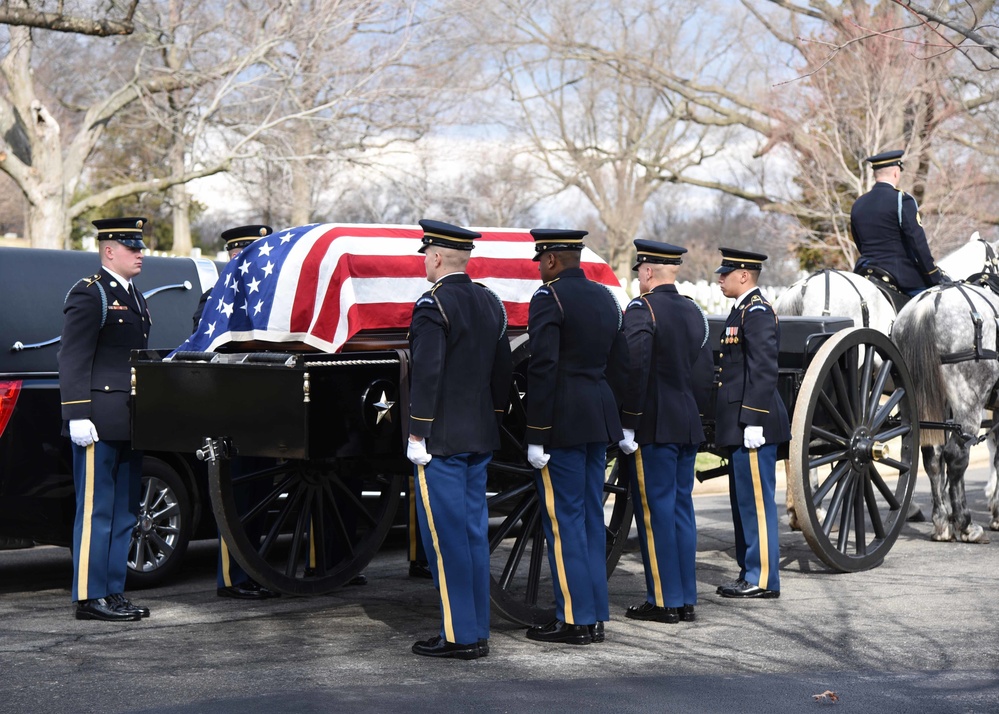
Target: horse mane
[{"x": 913, "y": 334}]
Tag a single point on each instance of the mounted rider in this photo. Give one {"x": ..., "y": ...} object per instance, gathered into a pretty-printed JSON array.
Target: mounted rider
[{"x": 888, "y": 230}]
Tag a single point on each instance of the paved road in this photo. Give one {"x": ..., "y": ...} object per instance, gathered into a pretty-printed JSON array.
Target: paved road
[{"x": 917, "y": 634}]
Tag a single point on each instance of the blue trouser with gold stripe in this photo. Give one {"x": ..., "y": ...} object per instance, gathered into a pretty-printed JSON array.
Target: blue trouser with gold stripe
[
  {"x": 454, "y": 523},
  {"x": 662, "y": 481},
  {"x": 416, "y": 552},
  {"x": 754, "y": 513},
  {"x": 246, "y": 495},
  {"x": 107, "y": 476},
  {"x": 572, "y": 511}
]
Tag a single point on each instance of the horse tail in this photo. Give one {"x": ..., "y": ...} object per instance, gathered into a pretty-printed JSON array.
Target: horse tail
[
  {"x": 792, "y": 300},
  {"x": 914, "y": 334}
]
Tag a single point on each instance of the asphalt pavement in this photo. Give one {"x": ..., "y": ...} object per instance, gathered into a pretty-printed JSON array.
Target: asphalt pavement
[{"x": 916, "y": 634}]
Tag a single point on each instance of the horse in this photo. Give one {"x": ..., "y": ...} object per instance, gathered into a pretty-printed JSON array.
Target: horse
[
  {"x": 947, "y": 336},
  {"x": 837, "y": 292}
]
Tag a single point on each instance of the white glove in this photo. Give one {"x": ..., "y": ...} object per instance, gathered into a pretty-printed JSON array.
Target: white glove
[
  {"x": 82, "y": 432},
  {"x": 416, "y": 451},
  {"x": 537, "y": 456},
  {"x": 628, "y": 444},
  {"x": 752, "y": 437}
]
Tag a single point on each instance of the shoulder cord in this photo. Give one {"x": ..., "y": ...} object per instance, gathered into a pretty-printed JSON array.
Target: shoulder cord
[
  {"x": 502, "y": 308},
  {"x": 704, "y": 317},
  {"x": 440, "y": 309},
  {"x": 104, "y": 297},
  {"x": 617, "y": 306}
]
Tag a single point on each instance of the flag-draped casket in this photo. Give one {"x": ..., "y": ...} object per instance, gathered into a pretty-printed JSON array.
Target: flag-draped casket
[{"x": 320, "y": 285}]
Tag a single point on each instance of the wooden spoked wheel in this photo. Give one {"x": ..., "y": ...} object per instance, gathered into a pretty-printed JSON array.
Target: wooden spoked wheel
[
  {"x": 303, "y": 527},
  {"x": 854, "y": 449}
]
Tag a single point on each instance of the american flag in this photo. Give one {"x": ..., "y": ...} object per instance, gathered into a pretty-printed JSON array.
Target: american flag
[{"x": 322, "y": 284}]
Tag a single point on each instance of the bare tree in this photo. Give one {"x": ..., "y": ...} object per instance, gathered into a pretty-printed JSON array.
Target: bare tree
[
  {"x": 853, "y": 86},
  {"x": 599, "y": 128},
  {"x": 360, "y": 87},
  {"x": 49, "y": 167}
]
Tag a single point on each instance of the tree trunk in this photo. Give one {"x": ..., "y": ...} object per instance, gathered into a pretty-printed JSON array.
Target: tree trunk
[
  {"x": 179, "y": 198},
  {"x": 47, "y": 225},
  {"x": 301, "y": 184},
  {"x": 35, "y": 158}
]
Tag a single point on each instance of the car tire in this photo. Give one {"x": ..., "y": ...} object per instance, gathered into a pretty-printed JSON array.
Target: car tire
[{"x": 164, "y": 526}]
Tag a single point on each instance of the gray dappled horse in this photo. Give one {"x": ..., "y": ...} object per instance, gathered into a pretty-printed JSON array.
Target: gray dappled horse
[
  {"x": 844, "y": 294},
  {"x": 947, "y": 337}
]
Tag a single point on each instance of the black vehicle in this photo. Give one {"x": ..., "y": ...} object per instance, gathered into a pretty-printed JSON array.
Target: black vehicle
[{"x": 37, "y": 497}]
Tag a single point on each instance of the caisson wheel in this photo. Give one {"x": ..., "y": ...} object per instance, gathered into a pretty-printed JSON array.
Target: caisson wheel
[
  {"x": 854, "y": 449},
  {"x": 303, "y": 527}
]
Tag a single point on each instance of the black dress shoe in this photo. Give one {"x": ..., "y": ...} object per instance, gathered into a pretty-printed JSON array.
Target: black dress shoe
[
  {"x": 649, "y": 612},
  {"x": 483, "y": 646},
  {"x": 248, "y": 590},
  {"x": 744, "y": 590},
  {"x": 103, "y": 609},
  {"x": 726, "y": 586},
  {"x": 122, "y": 603},
  {"x": 687, "y": 613},
  {"x": 596, "y": 632},
  {"x": 420, "y": 570},
  {"x": 439, "y": 647},
  {"x": 558, "y": 631}
]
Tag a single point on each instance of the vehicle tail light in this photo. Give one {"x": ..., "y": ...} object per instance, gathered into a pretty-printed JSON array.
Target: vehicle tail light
[{"x": 8, "y": 398}]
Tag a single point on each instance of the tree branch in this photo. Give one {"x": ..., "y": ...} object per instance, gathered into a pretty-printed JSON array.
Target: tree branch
[
  {"x": 59, "y": 22},
  {"x": 130, "y": 189}
]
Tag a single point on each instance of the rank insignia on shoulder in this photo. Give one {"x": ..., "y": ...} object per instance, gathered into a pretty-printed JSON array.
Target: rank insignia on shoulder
[
  {"x": 542, "y": 291},
  {"x": 92, "y": 279},
  {"x": 758, "y": 307},
  {"x": 637, "y": 302},
  {"x": 424, "y": 301}
]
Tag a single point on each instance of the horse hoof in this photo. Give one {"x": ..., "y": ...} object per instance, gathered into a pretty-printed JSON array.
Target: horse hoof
[
  {"x": 994, "y": 526},
  {"x": 792, "y": 521},
  {"x": 974, "y": 534},
  {"x": 944, "y": 537}
]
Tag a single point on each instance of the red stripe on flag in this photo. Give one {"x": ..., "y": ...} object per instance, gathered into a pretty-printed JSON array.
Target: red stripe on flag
[{"x": 304, "y": 305}]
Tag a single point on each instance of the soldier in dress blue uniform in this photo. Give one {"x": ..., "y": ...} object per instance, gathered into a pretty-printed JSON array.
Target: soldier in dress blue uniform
[
  {"x": 669, "y": 381},
  {"x": 750, "y": 420},
  {"x": 888, "y": 229},
  {"x": 577, "y": 352},
  {"x": 105, "y": 319},
  {"x": 461, "y": 374},
  {"x": 231, "y": 580}
]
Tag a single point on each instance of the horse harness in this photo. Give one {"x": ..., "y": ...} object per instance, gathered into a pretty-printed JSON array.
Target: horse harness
[
  {"x": 864, "y": 310},
  {"x": 978, "y": 352}
]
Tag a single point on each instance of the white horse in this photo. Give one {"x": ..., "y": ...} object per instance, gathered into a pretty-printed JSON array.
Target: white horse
[
  {"x": 947, "y": 336},
  {"x": 837, "y": 292}
]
